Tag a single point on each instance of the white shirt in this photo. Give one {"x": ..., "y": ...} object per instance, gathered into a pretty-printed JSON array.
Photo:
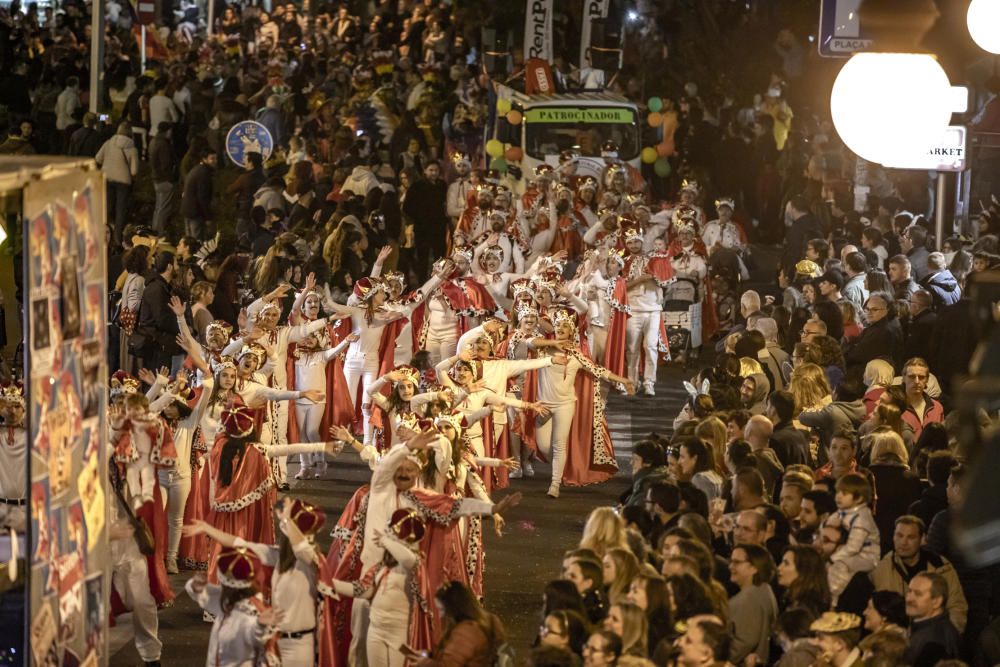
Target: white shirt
[
  {"x": 66, "y": 104},
  {"x": 161, "y": 109},
  {"x": 237, "y": 636},
  {"x": 13, "y": 448},
  {"x": 294, "y": 591},
  {"x": 557, "y": 384}
]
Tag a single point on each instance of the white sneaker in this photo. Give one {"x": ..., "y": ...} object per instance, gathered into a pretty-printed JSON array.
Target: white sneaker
[
  {"x": 516, "y": 474},
  {"x": 529, "y": 470},
  {"x": 553, "y": 491},
  {"x": 648, "y": 388},
  {"x": 301, "y": 474}
]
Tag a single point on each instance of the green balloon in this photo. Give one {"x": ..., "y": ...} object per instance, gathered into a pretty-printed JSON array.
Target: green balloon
[
  {"x": 499, "y": 164},
  {"x": 654, "y": 104},
  {"x": 662, "y": 167}
]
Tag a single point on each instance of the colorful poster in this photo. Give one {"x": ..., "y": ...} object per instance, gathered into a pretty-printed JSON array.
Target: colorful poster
[{"x": 66, "y": 377}]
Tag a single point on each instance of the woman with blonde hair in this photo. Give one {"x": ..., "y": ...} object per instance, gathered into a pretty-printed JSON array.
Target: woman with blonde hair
[
  {"x": 877, "y": 377},
  {"x": 628, "y": 621},
  {"x": 896, "y": 486},
  {"x": 809, "y": 388},
  {"x": 620, "y": 568},
  {"x": 603, "y": 531},
  {"x": 712, "y": 431}
]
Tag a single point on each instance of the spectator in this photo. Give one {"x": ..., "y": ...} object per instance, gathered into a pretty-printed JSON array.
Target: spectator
[
  {"x": 161, "y": 108},
  {"x": 941, "y": 284},
  {"x": 272, "y": 118},
  {"x": 564, "y": 629},
  {"x": 900, "y": 275},
  {"x": 196, "y": 205},
  {"x": 801, "y": 574},
  {"x": 932, "y": 636},
  {"x": 914, "y": 245},
  {"x": 602, "y": 649},
  {"x": 908, "y": 558},
  {"x": 470, "y": 636},
  {"x": 628, "y": 622},
  {"x": 157, "y": 324},
  {"x": 753, "y": 610},
  {"x": 857, "y": 268},
  {"x": 425, "y": 205},
  {"x": 881, "y": 339},
  {"x": 648, "y": 468},
  {"x": 935, "y": 497},
  {"x": 697, "y": 465},
  {"x": 118, "y": 158},
  {"x": 789, "y": 443},
  {"x": 67, "y": 106},
  {"x": 795, "y": 639},
  {"x": 920, "y": 328},
  {"x": 837, "y": 636},
  {"x": 705, "y": 641},
  {"x": 921, "y": 409},
  {"x": 164, "y": 166},
  {"x": 896, "y": 486},
  {"x": 86, "y": 140}
]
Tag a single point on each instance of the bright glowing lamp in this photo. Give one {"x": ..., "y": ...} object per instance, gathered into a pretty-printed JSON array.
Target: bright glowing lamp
[
  {"x": 984, "y": 24},
  {"x": 885, "y": 106}
]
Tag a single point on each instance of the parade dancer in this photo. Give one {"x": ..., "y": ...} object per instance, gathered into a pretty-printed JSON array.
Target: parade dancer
[
  {"x": 311, "y": 357},
  {"x": 244, "y": 626},
  {"x": 403, "y": 401},
  {"x": 459, "y": 189},
  {"x": 691, "y": 271},
  {"x": 511, "y": 253},
  {"x": 725, "y": 239},
  {"x": 524, "y": 386},
  {"x": 610, "y": 311},
  {"x": 575, "y": 435},
  {"x": 294, "y": 575},
  {"x": 643, "y": 329},
  {"x": 13, "y": 449}
]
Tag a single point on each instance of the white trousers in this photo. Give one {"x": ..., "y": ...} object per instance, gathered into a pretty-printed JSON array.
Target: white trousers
[
  {"x": 299, "y": 652},
  {"x": 174, "y": 490},
  {"x": 441, "y": 346},
  {"x": 309, "y": 417},
  {"x": 366, "y": 374},
  {"x": 141, "y": 479},
  {"x": 642, "y": 332},
  {"x": 357, "y": 656},
  {"x": 552, "y": 436},
  {"x": 131, "y": 580},
  {"x": 382, "y": 646}
]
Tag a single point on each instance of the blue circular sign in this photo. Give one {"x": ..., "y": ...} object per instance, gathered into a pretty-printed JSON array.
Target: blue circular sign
[{"x": 248, "y": 136}]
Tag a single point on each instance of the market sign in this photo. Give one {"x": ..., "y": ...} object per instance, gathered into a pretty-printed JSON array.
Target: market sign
[
  {"x": 841, "y": 34},
  {"x": 579, "y": 115},
  {"x": 945, "y": 153}
]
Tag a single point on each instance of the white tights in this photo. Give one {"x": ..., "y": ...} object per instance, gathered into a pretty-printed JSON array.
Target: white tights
[
  {"x": 367, "y": 375},
  {"x": 552, "y": 437},
  {"x": 441, "y": 346},
  {"x": 309, "y": 417},
  {"x": 174, "y": 488}
]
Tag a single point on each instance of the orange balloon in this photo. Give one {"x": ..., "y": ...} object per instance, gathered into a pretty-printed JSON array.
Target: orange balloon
[
  {"x": 514, "y": 154},
  {"x": 655, "y": 119},
  {"x": 665, "y": 149},
  {"x": 514, "y": 117}
]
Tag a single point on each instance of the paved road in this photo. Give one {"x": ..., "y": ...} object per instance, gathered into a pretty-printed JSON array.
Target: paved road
[{"x": 518, "y": 565}]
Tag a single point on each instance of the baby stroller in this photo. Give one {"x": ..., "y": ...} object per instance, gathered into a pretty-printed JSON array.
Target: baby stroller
[{"x": 682, "y": 317}]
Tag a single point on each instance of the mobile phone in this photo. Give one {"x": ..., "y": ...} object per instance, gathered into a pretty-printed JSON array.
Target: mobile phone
[{"x": 103, "y": 117}]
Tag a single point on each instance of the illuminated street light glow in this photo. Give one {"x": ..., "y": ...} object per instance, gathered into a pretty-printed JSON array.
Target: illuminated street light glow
[
  {"x": 886, "y": 106},
  {"x": 984, "y": 24}
]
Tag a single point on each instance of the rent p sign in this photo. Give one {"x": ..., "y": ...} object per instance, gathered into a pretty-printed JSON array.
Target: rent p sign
[{"x": 538, "y": 30}]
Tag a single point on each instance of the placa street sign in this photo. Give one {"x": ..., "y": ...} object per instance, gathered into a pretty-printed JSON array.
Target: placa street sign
[
  {"x": 146, "y": 11},
  {"x": 946, "y": 153},
  {"x": 840, "y": 31},
  {"x": 248, "y": 136}
]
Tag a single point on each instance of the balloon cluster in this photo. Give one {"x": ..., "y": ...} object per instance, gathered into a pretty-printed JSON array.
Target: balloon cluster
[
  {"x": 657, "y": 155},
  {"x": 500, "y": 153}
]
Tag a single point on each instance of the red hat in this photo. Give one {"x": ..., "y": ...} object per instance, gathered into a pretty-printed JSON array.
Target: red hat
[
  {"x": 238, "y": 420},
  {"x": 236, "y": 568},
  {"x": 407, "y": 525},
  {"x": 307, "y": 518},
  {"x": 365, "y": 288}
]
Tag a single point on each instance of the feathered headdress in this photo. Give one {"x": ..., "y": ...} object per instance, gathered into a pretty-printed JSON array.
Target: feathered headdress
[
  {"x": 255, "y": 350},
  {"x": 588, "y": 183},
  {"x": 459, "y": 159},
  {"x": 631, "y": 234},
  {"x": 456, "y": 420},
  {"x": 466, "y": 252},
  {"x": 220, "y": 327}
]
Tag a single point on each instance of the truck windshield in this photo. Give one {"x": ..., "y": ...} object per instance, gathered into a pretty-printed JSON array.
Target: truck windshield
[{"x": 551, "y": 130}]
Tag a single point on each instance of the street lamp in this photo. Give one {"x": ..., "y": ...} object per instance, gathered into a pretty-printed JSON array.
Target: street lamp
[
  {"x": 886, "y": 105},
  {"x": 984, "y": 24}
]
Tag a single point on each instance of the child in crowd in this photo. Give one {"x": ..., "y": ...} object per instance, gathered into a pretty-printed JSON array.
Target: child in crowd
[{"x": 859, "y": 550}]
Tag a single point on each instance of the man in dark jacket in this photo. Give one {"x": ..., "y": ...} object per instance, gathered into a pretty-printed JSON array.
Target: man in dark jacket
[
  {"x": 900, "y": 276},
  {"x": 648, "y": 468},
  {"x": 914, "y": 245},
  {"x": 87, "y": 139},
  {"x": 800, "y": 227},
  {"x": 164, "y": 167},
  {"x": 425, "y": 205},
  {"x": 935, "y": 497},
  {"x": 921, "y": 326},
  {"x": 157, "y": 325},
  {"x": 788, "y": 443},
  {"x": 932, "y": 636},
  {"x": 196, "y": 205},
  {"x": 881, "y": 339},
  {"x": 940, "y": 282}
]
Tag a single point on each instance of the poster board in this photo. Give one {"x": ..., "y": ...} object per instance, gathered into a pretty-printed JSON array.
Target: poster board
[{"x": 66, "y": 377}]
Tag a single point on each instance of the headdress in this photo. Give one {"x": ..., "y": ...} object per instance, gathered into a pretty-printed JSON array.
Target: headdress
[
  {"x": 545, "y": 281},
  {"x": 256, "y": 350},
  {"x": 690, "y": 185},
  {"x": 725, "y": 201},
  {"x": 588, "y": 183},
  {"x": 308, "y": 518},
  {"x": 521, "y": 288},
  {"x": 544, "y": 171},
  {"x": 366, "y": 288},
  {"x": 465, "y": 251},
  {"x": 411, "y": 373},
  {"x": 267, "y": 307},
  {"x": 407, "y": 525},
  {"x": 807, "y": 267},
  {"x": 832, "y": 622},
  {"x": 494, "y": 251},
  {"x": 617, "y": 255},
  {"x": 12, "y": 392},
  {"x": 525, "y": 309},
  {"x": 694, "y": 392},
  {"x": 609, "y": 175},
  {"x": 305, "y": 295},
  {"x": 219, "y": 326},
  {"x": 238, "y": 420},
  {"x": 123, "y": 383},
  {"x": 393, "y": 277},
  {"x": 484, "y": 188},
  {"x": 684, "y": 221},
  {"x": 609, "y": 149},
  {"x": 458, "y": 158},
  {"x": 235, "y": 568},
  {"x": 563, "y": 315},
  {"x": 495, "y": 337},
  {"x": 632, "y": 234},
  {"x": 455, "y": 420}
]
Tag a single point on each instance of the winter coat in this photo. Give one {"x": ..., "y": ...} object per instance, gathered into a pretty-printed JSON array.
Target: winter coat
[
  {"x": 890, "y": 575},
  {"x": 943, "y": 287},
  {"x": 833, "y": 417},
  {"x": 896, "y": 488},
  {"x": 881, "y": 340},
  {"x": 119, "y": 159}
]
